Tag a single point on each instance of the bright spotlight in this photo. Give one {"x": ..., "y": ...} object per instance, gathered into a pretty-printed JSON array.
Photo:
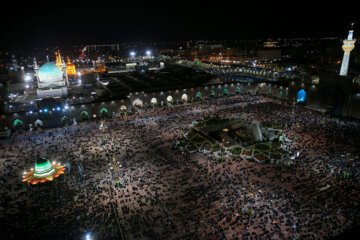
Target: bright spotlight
[
  {"x": 148, "y": 53},
  {"x": 27, "y": 78},
  {"x": 132, "y": 53}
]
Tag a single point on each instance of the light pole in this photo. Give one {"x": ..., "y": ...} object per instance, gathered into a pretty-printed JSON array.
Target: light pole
[{"x": 103, "y": 128}]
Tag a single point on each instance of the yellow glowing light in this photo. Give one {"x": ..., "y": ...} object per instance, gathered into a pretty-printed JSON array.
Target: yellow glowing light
[{"x": 70, "y": 68}]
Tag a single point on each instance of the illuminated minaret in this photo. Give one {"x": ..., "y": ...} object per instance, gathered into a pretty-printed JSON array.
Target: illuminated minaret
[
  {"x": 348, "y": 46},
  {"x": 36, "y": 70},
  {"x": 58, "y": 61}
]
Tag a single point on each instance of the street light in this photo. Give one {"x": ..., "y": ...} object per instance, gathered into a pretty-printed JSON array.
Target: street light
[
  {"x": 148, "y": 53},
  {"x": 132, "y": 54}
]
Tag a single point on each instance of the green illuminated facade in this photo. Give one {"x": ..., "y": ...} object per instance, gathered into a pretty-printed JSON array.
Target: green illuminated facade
[{"x": 43, "y": 168}]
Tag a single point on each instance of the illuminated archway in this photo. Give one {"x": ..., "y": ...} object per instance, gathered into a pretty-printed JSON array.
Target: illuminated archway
[
  {"x": 138, "y": 103},
  {"x": 123, "y": 108},
  {"x": 184, "y": 97},
  {"x": 153, "y": 101},
  {"x": 169, "y": 99},
  {"x": 281, "y": 92},
  {"x": 104, "y": 112},
  {"x": 84, "y": 115},
  {"x": 64, "y": 119},
  {"x": 198, "y": 95},
  {"x": 301, "y": 96},
  {"x": 38, "y": 123},
  {"x": 18, "y": 124}
]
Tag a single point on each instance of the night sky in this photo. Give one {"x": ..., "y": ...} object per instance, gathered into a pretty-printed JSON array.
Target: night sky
[{"x": 61, "y": 23}]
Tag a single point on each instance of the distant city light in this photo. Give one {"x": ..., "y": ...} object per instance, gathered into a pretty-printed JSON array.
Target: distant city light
[
  {"x": 58, "y": 108},
  {"x": 132, "y": 53},
  {"x": 31, "y": 112},
  {"x": 148, "y": 53}
]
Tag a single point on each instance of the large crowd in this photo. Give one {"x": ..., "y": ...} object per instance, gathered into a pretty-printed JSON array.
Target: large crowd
[{"x": 137, "y": 185}]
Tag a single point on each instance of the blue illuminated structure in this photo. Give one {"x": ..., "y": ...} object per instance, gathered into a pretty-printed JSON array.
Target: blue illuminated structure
[
  {"x": 301, "y": 96},
  {"x": 49, "y": 73}
]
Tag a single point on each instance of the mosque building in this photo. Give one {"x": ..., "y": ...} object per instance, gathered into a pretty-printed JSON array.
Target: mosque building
[{"x": 52, "y": 78}]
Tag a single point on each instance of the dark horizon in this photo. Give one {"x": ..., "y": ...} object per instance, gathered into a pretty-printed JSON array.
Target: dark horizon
[{"x": 28, "y": 26}]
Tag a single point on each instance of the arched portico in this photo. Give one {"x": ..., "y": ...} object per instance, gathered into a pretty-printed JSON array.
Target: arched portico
[
  {"x": 184, "y": 97},
  {"x": 18, "y": 124},
  {"x": 169, "y": 99},
  {"x": 153, "y": 102},
  {"x": 39, "y": 123},
  {"x": 137, "y": 103},
  {"x": 301, "y": 96},
  {"x": 84, "y": 115},
  {"x": 104, "y": 112}
]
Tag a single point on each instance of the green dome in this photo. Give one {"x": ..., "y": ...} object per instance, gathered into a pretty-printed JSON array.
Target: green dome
[
  {"x": 50, "y": 72},
  {"x": 43, "y": 168}
]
